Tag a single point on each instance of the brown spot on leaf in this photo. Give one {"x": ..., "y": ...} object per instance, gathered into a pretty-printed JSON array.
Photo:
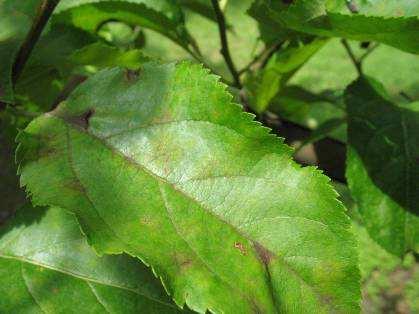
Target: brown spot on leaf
[
  {"x": 74, "y": 185},
  {"x": 131, "y": 75},
  {"x": 287, "y": 1},
  {"x": 183, "y": 261},
  {"x": 265, "y": 255},
  {"x": 240, "y": 247},
  {"x": 352, "y": 6},
  {"x": 82, "y": 120}
]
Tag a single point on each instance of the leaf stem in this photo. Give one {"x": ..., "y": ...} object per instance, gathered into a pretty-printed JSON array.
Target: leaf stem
[
  {"x": 71, "y": 85},
  {"x": 351, "y": 54},
  {"x": 367, "y": 53},
  {"x": 224, "y": 43},
  {"x": 44, "y": 12},
  {"x": 262, "y": 56}
]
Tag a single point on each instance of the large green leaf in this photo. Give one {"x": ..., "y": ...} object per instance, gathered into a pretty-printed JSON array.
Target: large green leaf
[
  {"x": 382, "y": 166},
  {"x": 163, "y": 16},
  {"x": 165, "y": 167},
  {"x": 46, "y": 266},
  {"x": 15, "y": 21},
  {"x": 331, "y": 19}
]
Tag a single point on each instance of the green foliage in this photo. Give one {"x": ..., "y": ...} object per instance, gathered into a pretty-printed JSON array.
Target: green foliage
[
  {"x": 327, "y": 18},
  {"x": 163, "y": 16},
  {"x": 141, "y": 134},
  {"x": 15, "y": 21},
  {"x": 46, "y": 264},
  {"x": 382, "y": 170},
  {"x": 281, "y": 66},
  {"x": 204, "y": 170}
]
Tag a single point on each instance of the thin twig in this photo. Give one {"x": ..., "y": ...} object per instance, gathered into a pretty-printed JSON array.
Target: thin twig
[
  {"x": 406, "y": 96},
  {"x": 71, "y": 85},
  {"x": 261, "y": 57},
  {"x": 367, "y": 53},
  {"x": 351, "y": 54},
  {"x": 44, "y": 12},
  {"x": 224, "y": 44},
  {"x": 23, "y": 113}
]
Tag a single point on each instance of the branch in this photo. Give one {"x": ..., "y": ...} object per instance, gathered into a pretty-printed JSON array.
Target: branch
[
  {"x": 44, "y": 12},
  {"x": 262, "y": 57},
  {"x": 351, "y": 54},
  {"x": 224, "y": 44},
  {"x": 71, "y": 85},
  {"x": 368, "y": 52}
]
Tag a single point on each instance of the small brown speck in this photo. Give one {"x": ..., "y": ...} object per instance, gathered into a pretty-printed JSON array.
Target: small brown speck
[
  {"x": 240, "y": 247},
  {"x": 131, "y": 75}
]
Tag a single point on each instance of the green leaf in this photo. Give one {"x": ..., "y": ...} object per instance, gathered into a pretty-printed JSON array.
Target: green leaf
[
  {"x": 165, "y": 167},
  {"x": 264, "y": 85},
  {"x": 271, "y": 31},
  {"x": 309, "y": 109},
  {"x": 102, "y": 56},
  {"x": 46, "y": 266},
  {"x": 322, "y": 131},
  {"x": 382, "y": 172},
  {"x": 202, "y": 7},
  {"x": 16, "y": 18},
  {"x": 163, "y": 16},
  {"x": 48, "y": 67},
  {"x": 327, "y": 18}
]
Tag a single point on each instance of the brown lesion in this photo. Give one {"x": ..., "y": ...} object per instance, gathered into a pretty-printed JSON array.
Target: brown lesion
[
  {"x": 184, "y": 262},
  {"x": 240, "y": 247},
  {"x": 82, "y": 120},
  {"x": 74, "y": 185},
  {"x": 131, "y": 76}
]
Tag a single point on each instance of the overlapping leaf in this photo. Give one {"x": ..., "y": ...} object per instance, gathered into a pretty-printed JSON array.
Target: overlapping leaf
[
  {"x": 48, "y": 66},
  {"x": 163, "y": 16},
  {"x": 164, "y": 167},
  {"x": 101, "y": 56},
  {"x": 329, "y": 18},
  {"x": 311, "y": 110},
  {"x": 382, "y": 166},
  {"x": 47, "y": 266}
]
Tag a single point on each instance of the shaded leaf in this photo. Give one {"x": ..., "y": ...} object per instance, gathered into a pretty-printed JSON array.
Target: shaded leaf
[
  {"x": 48, "y": 67},
  {"x": 163, "y": 16},
  {"x": 309, "y": 109},
  {"x": 101, "y": 56},
  {"x": 382, "y": 165},
  {"x": 322, "y": 131},
  {"x": 326, "y": 18},
  {"x": 16, "y": 18},
  {"x": 10, "y": 195},
  {"x": 46, "y": 266},
  {"x": 164, "y": 167}
]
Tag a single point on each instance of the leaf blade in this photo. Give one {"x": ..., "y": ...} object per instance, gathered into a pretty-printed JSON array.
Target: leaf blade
[
  {"x": 43, "y": 252},
  {"x": 380, "y": 167},
  {"x": 326, "y": 18},
  {"x": 211, "y": 195}
]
